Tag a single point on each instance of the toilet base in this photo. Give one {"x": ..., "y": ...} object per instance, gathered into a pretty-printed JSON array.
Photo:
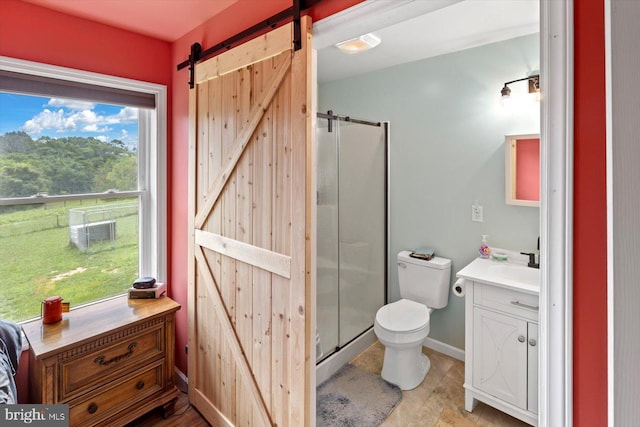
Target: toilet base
[{"x": 405, "y": 367}]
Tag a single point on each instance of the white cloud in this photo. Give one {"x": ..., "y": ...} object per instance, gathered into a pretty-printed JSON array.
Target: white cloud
[
  {"x": 94, "y": 128},
  {"x": 71, "y": 104},
  {"x": 86, "y": 120},
  {"x": 86, "y": 117},
  {"x": 102, "y": 138},
  {"x": 130, "y": 141},
  {"x": 47, "y": 119},
  {"x": 126, "y": 115}
]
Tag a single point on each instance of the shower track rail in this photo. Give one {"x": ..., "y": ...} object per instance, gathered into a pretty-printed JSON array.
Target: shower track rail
[{"x": 330, "y": 117}]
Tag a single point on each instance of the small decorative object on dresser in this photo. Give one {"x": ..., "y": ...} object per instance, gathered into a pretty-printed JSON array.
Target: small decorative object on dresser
[{"x": 110, "y": 362}]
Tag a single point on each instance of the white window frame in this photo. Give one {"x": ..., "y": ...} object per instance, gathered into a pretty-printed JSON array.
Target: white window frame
[{"x": 152, "y": 137}]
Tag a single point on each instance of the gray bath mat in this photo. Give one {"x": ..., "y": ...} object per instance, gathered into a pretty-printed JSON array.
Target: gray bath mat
[{"x": 353, "y": 397}]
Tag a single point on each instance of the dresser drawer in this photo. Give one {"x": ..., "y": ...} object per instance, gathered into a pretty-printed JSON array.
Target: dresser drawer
[
  {"x": 506, "y": 300},
  {"x": 97, "y": 366},
  {"x": 116, "y": 396},
  {"x": 111, "y": 362}
]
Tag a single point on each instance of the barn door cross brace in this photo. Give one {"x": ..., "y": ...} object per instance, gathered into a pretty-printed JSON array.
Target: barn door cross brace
[{"x": 197, "y": 54}]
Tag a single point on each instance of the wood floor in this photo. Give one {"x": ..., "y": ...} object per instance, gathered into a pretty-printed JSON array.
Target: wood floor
[
  {"x": 185, "y": 415},
  {"x": 437, "y": 402}
]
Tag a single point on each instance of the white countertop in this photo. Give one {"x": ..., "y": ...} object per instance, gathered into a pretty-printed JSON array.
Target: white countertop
[{"x": 506, "y": 274}]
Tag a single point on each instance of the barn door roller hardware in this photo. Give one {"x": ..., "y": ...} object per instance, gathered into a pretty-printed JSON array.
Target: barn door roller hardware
[
  {"x": 331, "y": 117},
  {"x": 293, "y": 13}
]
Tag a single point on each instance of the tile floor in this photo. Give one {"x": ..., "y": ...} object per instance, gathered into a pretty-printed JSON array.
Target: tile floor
[{"x": 439, "y": 400}]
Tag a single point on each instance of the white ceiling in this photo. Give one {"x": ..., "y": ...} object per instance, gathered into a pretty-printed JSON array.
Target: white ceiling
[{"x": 416, "y": 29}]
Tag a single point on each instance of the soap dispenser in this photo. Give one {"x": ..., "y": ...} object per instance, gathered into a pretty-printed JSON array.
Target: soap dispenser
[{"x": 484, "y": 250}]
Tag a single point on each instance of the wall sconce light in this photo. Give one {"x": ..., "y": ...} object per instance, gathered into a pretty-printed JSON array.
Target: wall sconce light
[{"x": 534, "y": 86}]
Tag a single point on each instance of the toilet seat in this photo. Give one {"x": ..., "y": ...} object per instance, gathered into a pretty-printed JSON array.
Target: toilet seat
[
  {"x": 403, "y": 317},
  {"x": 402, "y": 327}
]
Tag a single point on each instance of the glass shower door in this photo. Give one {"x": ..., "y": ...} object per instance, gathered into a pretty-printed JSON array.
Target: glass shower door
[
  {"x": 328, "y": 301},
  {"x": 361, "y": 226},
  {"x": 351, "y": 234}
]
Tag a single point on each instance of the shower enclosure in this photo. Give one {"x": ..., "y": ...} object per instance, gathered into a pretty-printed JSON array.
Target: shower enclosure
[{"x": 352, "y": 228}]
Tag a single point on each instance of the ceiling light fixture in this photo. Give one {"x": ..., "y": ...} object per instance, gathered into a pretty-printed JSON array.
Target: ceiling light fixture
[
  {"x": 534, "y": 86},
  {"x": 359, "y": 44}
]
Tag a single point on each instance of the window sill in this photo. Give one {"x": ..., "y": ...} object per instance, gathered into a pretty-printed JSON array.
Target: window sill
[{"x": 25, "y": 343}]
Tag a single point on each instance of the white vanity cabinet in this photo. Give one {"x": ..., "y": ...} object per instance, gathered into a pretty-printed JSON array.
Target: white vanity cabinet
[{"x": 501, "y": 349}]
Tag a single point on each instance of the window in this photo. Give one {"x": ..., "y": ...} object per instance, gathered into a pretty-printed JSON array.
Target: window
[{"x": 82, "y": 185}]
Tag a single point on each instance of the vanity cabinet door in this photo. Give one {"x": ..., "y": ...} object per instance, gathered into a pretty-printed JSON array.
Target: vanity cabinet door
[
  {"x": 500, "y": 356},
  {"x": 532, "y": 367}
]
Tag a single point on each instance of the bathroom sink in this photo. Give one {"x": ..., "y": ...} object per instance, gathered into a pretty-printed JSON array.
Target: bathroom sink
[
  {"x": 505, "y": 274},
  {"x": 517, "y": 272}
]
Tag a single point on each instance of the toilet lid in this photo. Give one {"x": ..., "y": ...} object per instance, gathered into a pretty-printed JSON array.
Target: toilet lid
[{"x": 403, "y": 316}]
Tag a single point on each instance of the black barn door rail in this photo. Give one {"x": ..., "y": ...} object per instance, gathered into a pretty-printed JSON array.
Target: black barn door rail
[{"x": 197, "y": 54}]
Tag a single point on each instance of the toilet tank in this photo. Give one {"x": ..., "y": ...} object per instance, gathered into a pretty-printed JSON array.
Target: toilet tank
[{"x": 426, "y": 282}]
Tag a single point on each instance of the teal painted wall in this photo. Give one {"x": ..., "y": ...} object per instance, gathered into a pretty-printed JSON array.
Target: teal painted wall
[{"x": 447, "y": 151}]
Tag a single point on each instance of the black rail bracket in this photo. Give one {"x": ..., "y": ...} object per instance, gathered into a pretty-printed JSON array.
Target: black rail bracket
[
  {"x": 293, "y": 13},
  {"x": 194, "y": 56},
  {"x": 297, "y": 30}
]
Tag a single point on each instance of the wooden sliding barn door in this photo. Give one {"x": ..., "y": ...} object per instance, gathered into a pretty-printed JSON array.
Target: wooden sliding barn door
[{"x": 250, "y": 290}]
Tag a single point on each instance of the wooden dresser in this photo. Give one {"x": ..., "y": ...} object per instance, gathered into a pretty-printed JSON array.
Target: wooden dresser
[{"x": 110, "y": 362}]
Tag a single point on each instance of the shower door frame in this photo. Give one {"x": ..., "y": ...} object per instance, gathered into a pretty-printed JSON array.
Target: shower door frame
[{"x": 385, "y": 125}]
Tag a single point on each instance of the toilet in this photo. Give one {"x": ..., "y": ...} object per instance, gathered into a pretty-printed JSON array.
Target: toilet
[{"x": 403, "y": 325}]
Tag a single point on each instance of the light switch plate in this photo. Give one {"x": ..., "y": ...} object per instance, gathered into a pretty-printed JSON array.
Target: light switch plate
[{"x": 476, "y": 213}]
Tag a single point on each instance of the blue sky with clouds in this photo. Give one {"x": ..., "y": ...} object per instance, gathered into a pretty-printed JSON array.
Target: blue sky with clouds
[{"x": 57, "y": 118}]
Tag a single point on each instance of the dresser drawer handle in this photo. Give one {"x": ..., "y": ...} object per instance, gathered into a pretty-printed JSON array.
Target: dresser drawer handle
[
  {"x": 92, "y": 408},
  {"x": 140, "y": 385},
  {"x": 100, "y": 359},
  {"x": 521, "y": 304}
]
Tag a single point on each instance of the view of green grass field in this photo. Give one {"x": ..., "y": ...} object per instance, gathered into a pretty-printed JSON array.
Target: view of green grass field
[{"x": 38, "y": 259}]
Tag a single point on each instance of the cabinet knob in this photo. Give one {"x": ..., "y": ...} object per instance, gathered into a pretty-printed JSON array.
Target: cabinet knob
[
  {"x": 532, "y": 342},
  {"x": 92, "y": 408},
  {"x": 140, "y": 385},
  {"x": 521, "y": 338}
]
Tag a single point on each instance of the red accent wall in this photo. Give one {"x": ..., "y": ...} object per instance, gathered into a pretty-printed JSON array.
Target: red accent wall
[
  {"x": 38, "y": 34},
  {"x": 231, "y": 21},
  {"x": 34, "y": 33},
  {"x": 590, "y": 216}
]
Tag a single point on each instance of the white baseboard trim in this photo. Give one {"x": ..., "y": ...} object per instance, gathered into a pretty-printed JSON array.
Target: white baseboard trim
[
  {"x": 444, "y": 348},
  {"x": 180, "y": 379}
]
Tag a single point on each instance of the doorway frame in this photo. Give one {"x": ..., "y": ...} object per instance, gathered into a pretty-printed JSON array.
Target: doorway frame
[{"x": 555, "y": 389}]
